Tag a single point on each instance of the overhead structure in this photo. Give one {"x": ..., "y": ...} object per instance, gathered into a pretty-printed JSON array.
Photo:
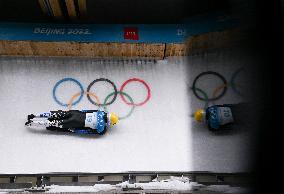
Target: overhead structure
[{"x": 57, "y": 9}]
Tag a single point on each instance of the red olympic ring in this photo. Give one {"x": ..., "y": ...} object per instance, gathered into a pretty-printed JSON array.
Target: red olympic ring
[{"x": 137, "y": 80}]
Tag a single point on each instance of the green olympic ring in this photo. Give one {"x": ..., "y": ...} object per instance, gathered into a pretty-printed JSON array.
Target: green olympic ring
[
  {"x": 205, "y": 97},
  {"x": 232, "y": 84},
  {"x": 129, "y": 98}
]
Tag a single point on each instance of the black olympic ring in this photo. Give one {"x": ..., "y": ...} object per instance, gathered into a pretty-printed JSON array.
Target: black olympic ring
[
  {"x": 98, "y": 80},
  {"x": 194, "y": 88}
]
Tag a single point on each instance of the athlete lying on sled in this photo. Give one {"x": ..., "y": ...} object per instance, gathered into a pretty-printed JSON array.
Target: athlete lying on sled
[{"x": 81, "y": 122}]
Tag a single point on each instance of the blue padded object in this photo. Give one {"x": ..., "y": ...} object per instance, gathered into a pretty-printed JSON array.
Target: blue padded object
[
  {"x": 82, "y": 131},
  {"x": 45, "y": 115},
  {"x": 213, "y": 119},
  {"x": 64, "y": 80},
  {"x": 100, "y": 121}
]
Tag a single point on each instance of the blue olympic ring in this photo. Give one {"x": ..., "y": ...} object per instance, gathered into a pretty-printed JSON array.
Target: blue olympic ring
[
  {"x": 65, "y": 80},
  {"x": 233, "y": 78}
]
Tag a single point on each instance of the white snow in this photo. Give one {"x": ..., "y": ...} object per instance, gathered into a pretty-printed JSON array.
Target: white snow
[
  {"x": 4, "y": 191},
  {"x": 174, "y": 183},
  {"x": 95, "y": 188},
  {"x": 169, "y": 184}
]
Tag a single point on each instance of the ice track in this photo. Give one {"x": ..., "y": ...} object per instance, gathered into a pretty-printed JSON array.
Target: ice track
[{"x": 158, "y": 136}]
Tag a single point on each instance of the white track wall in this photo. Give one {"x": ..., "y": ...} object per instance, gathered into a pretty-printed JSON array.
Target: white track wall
[
  {"x": 155, "y": 137},
  {"x": 159, "y": 136}
]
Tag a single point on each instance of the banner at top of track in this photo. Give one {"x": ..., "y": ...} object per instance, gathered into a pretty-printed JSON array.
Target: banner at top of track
[{"x": 128, "y": 33}]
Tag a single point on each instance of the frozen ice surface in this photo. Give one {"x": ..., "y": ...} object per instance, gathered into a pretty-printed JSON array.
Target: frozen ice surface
[
  {"x": 168, "y": 184},
  {"x": 174, "y": 183},
  {"x": 74, "y": 189},
  {"x": 156, "y": 137},
  {"x": 159, "y": 136},
  {"x": 231, "y": 151}
]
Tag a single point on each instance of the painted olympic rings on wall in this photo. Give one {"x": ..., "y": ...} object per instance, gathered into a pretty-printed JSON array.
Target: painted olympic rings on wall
[
  {"x": 106, "y": 101},
  {"x": 204, "y": 96},
  {"x": 210, "y": 73},
  {"x": 66, "y": 80}
]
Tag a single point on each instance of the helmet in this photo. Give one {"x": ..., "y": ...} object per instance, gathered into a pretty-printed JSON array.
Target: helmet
[
  {"x": 199, "y": 115},
  {"x": 113, "y": 119}
]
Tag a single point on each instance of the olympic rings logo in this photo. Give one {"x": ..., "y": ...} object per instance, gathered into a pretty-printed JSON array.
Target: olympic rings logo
[
  {"x": 219, "y": 91},
  {"x": 109, "y": 99}
]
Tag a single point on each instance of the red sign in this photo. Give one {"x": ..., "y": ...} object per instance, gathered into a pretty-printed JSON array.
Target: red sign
[{"x": 131, "y": 33}]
